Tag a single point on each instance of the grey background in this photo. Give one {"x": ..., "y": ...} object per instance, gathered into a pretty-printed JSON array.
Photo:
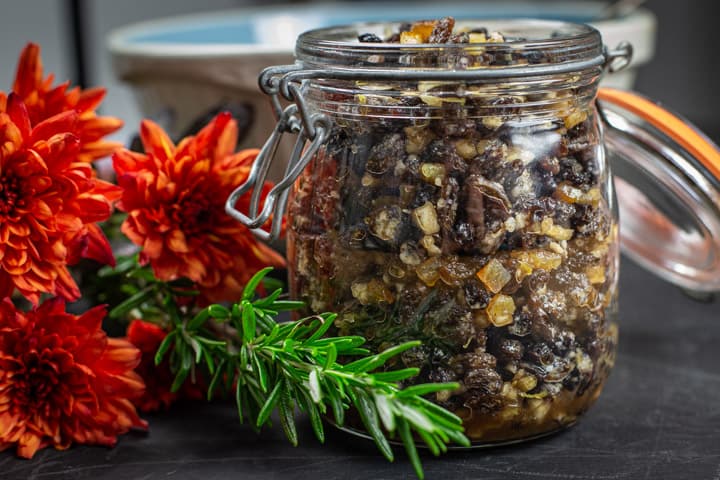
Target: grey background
[{"x": 683, "y": 75}]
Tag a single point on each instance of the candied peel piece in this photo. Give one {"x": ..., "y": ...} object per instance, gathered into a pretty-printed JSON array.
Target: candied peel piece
[
  {"x": 569, "y": 193},
  {"x": 538, "y": 259},
  {"x": 556, "y": 232},
  {"x": 595, "y": 274},
  {"x": 428, "y": 271},
  {"x": 494, "y": 275},
  {"x": 500, "y": 310}
]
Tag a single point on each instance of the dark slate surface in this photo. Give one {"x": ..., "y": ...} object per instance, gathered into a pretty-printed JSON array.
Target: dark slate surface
[{"x": 659, "y": 418}]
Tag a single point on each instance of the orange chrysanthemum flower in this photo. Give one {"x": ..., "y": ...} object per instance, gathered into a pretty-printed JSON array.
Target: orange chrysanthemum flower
[
  {"x": 158, "y": 379},
  {"x": 175, "y": 197},
  {"x": 43, "y": 100},
  {"x": 62, "y": 380},
  {"x": 49, "y": 203}
]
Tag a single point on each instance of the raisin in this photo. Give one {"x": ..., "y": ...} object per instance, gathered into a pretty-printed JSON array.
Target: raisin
[
  {"x": 369, "y": 38},
  {"x": 385, "y": 154}
]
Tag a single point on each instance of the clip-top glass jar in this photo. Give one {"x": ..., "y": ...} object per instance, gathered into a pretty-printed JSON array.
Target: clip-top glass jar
[{"x": 457, "y": 193}]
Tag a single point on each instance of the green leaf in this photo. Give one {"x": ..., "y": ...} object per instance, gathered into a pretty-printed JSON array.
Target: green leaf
[
  {"x": 416, "y": 417},
  {"x": 197, "y": 348},
  {"x": 249, "y": 290},
  {"x": 269, "y": 405},
  {"x": 215, "y": 378},
  {"x": 393, "y": 376},
  {"x": 164, "y": 347},
  {"x": 270, "y": 283},
  {"x": 427, "y": 388},
  {"x": 287, "y": 305},
  {"x": 198, "y": 320},
  {"x": 409, "y": 442},
  {"x": 133, "y": 302},
  {"x": 314, "y": 386},
  {"x": 387, "y": 416},
  {"x": 261, "y": 373},
  {"x": 239, "y": 399},
  {"x": 327, "y": 322},
  {"x": 336, "y": 404},
  {"x": 314, "y": 414},
  {"x": 269, "y": 300},
  {"x": 369, "y": 417},
  {"x": 430, "y": 442},
  {"x": 331, "y": 357},
  {"x": 218, "y": 312},
  {"x": 248, "y": 321},
  {"x": 122, "y": 266},
  {"x": 287, "y": 415},
  {"x": 179, "y": 379}
]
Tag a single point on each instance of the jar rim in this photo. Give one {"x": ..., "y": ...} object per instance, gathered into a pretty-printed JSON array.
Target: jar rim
[{"x": 558, "y": 42}]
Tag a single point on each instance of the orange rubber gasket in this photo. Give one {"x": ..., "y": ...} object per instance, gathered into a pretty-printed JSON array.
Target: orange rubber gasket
[{"x": 668, "y": 123}]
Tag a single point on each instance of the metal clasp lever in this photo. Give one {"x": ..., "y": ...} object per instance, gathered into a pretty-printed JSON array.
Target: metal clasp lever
[
  {"x": 311, "y": 126},
  {"x": 618, "y": 58}
]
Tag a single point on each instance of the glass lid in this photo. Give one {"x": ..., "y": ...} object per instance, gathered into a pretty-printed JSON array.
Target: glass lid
[{"x": 667, "y": 179}]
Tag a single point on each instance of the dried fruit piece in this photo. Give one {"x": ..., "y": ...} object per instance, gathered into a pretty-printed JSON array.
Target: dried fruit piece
[
  {"x": 417, "y": 138},
  {"x": 433, "y": 173},
  {"x": 453, "y": 273},
  {"x": 410, "y": 254},
  {"x": 425, "y": 218},
  {"x": 387, "y": 224},
  {"x": 500, "y": 310},
  {"x": 494, "y": 275},
  {"x": 575, "y": 117},
  {"x": 571, "y": 194},
  {"x": 372, "y": 292},
  {"x": 369, "y": 38},
  {"x": 466, "y": 148},
  {"x": 428, "y": 271},
  {"x": 524, "y": 381},
  {"x": 556, "y": 232},
  {"x": 595, "y": 274},
  {"x": 538, "y": 259}
]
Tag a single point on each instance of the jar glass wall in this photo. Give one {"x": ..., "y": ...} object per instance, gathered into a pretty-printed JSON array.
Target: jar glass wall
[{"x": 476, "y": 216}]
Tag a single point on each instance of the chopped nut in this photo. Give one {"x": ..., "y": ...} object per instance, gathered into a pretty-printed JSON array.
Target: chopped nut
[
  {"x": 425, "y": 218},
  {"x": 500, "y": 310},
  {"x": 494, "y": 275}
]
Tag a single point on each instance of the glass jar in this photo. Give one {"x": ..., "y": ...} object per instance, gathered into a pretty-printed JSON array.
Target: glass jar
[{"x": 457, "y": 194}]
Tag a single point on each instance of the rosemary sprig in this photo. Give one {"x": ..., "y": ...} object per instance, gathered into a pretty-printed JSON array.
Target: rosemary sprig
[{"x": 285, "y": 367}]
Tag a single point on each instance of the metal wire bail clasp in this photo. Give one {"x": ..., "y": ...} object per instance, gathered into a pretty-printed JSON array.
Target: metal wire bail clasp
[
  {"x": 310, "y": 126},
  {"x": 618, "y": 58}
]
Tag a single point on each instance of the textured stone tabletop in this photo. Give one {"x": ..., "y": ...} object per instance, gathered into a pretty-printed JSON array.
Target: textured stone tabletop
[{"x": 658, "y": 418}]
